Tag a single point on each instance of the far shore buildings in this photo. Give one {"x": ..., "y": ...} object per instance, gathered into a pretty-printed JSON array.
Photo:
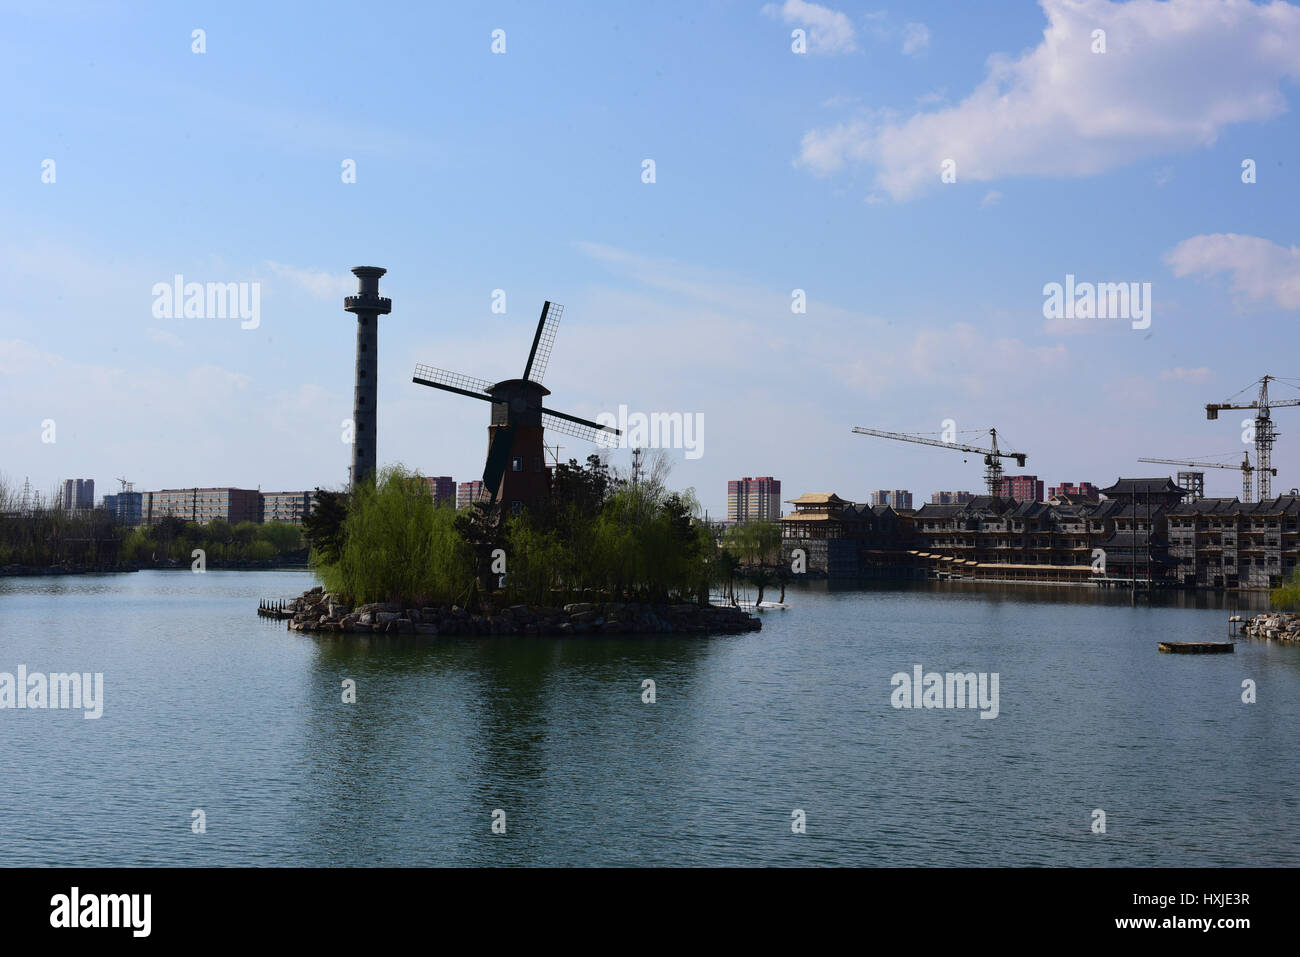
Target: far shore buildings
[
  {"x": 951, "y": 498},
  {"x": 77, "y": 494},
  {"x": 233, "y": 505},
  {"x": 1143, "y": 531},
  {"x": 754, "y": 499},
  {"x": 1022, "y": 488},
  {"x": 898, "y": 498},
  {"x": 1084, "y": 491},
  {"x": 467, "y": 493},
  {"x": 442, "y": 488}
]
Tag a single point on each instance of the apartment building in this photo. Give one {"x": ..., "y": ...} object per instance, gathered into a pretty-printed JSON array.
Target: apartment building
[
  {"x": 754, "y": 499},
  {"x": 286, "y": 506}
]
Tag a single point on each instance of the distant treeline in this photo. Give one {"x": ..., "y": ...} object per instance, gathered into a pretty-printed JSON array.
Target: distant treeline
[{"x": 40, "y": 539}]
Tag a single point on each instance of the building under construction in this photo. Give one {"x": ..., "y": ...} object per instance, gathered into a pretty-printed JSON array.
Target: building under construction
[{"x": 1142, "y": 534}]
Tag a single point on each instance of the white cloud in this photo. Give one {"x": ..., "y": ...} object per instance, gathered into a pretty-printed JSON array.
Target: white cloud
[
  {"x": 978, "y": 362},
  {"x": 991, "y": 198},
  {"x": 829, "y": 31},
  {"x": 1260, "y": 269},
  {"x": 916, "y": 37},
  {"x": 317, "y": 284},
  {"x": 1175, "y": 74},
  {"x": 1198, "y": 376}
]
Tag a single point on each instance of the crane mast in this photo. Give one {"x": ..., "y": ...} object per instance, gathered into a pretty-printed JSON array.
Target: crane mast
[{"x": 1265, "y": 432}]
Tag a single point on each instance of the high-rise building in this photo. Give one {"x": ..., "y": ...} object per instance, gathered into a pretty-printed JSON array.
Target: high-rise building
[
  {"x": 754, "y": 499},
  {"x": 1084, "y": 490},
  {"x": 467, "y": 493},
  {"x": 894, "y": 498},
  {"x": 78, "y": 494},
  {"x": 1022, "y": 488},
  {"x": 951, "y": 498},
  {"x": 124, "y": 507},
  {"x": 442, "y": 489},
  {"x": 286, "y": 506}
]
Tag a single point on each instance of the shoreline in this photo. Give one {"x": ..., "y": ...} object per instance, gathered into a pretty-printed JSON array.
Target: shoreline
[{"x": 315, "y": 611}]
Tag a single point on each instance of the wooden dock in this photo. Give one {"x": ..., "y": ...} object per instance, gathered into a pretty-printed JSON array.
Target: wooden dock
[
  {"x": 1197, "y": 647},
  {"x": 273, "y": 608}
]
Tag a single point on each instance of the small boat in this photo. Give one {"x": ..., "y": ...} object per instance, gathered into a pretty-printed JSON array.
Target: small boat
[{"x": 1197, "y": 647}]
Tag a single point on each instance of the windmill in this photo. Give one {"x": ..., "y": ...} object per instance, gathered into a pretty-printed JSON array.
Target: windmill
[
  {"x": 992, "y": 465},
  {"x": 516, "y": 469}
]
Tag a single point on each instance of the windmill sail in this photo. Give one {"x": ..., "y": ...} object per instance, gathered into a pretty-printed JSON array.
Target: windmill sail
[
  {"x": 543, "y": 341},
  {"x": 452, "y": 382},
  {"x": 602, "y": 435}
]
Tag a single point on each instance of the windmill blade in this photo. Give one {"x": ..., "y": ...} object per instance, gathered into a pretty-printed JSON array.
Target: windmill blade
[
  {"x": 543, "y": 340},
  {"x": 452, "y": 382},
  {"x": 603, "y": 435},
  {"x": 497, "y": 460}
]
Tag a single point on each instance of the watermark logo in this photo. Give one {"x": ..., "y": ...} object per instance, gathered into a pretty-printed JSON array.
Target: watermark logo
[
  {"x": 74, "y": 909},
  {"x": 55, "y": 691},
  {"x": 951, "y": 690},
  {"x": 214, "y": 300},
  {"x": 1105, "y": 300},
  {"x": 658, "y": 430}
]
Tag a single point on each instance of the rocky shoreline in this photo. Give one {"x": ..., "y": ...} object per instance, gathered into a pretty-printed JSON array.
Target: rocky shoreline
[
  {"x": 1277, "y": 625},
  {"x": 318, "y": 611}
]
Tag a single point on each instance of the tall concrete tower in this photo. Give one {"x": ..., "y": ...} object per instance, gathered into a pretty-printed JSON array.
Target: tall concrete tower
[{"x": 368, "y": 306}]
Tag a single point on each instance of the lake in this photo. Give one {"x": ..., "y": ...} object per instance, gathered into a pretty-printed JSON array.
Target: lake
[{"x": 208, "y": 707}]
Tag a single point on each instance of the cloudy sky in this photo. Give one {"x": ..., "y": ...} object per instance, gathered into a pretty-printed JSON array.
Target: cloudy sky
[{"x": 524, "y": 171}]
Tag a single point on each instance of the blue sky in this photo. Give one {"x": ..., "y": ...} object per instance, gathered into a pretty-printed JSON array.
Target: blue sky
[{"x": 522, "y": 171}]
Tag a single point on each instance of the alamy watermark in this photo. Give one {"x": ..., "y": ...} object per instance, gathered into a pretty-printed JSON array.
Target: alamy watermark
[
  {"x": 56, "y": 691},
  {"x": 213, "y": 300},
  {"x": 658, "y": 430},
  {"x": 1103, "y": 300},
  {"x": 931, "y": 689}
]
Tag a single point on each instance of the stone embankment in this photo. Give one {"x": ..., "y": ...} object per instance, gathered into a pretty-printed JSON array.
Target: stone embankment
[
  {"x": 318, "y": 611},
  {"x": 1280, "y": 625}
]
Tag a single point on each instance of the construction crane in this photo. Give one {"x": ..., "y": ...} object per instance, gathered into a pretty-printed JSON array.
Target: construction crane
[
  {"x": 992, "y": 465},
  {"x": 126, "y": 486},
  {"x": 1245, "y": 467},
  {"x": 1265, "y": 434}
]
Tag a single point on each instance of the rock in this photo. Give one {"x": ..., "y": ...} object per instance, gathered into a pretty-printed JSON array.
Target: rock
[
  {"x": 384, "y": 617},
  {"x": 426, "y": 629},
  {"x": 578, "y": 608},
  {"x": 584, "y": 616}
]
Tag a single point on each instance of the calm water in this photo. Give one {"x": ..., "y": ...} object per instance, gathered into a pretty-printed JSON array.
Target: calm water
[{"x": 208, "y": 706}]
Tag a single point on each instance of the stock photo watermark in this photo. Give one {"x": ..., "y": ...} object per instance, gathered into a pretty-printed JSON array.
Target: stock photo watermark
[
  {"x": 1104, "y": 300},
  {"x": 57, "y": 691},
  {"x": 658, "y": 430},
  {"x": 212, "y": 300},
  {"x": 950, "y": 690}
]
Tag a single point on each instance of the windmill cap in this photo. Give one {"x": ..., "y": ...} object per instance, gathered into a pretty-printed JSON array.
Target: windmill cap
[{"x": 368, "y": 272}]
